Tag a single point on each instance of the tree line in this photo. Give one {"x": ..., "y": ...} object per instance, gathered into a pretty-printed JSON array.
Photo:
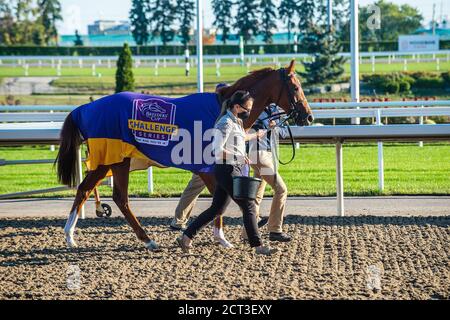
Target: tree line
[
  {"x": 248, "y": 18},
  {"x": 24, "y": 22},
  {"x": 251, "y": 18},
  {"x": 29, "y": 22}
]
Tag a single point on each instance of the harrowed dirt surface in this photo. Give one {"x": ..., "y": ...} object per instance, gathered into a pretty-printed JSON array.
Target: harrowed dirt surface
[{"x": 329, "y": 258}]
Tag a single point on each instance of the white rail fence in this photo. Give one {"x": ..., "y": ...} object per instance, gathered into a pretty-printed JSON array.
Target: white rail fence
[
  {"x": 21, "y": 60},
  {"x": 94, "y": 62},
  {"x": 26, "y": 127}
]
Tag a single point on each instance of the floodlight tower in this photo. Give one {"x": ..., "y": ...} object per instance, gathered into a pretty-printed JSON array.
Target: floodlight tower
[{"x": 200, "y": 45}]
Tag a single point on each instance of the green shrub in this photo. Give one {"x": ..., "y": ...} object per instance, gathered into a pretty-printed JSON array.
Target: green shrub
[
  {"x": 389, "y": 82},
  {"x": 440, "y": 119},
  {"x": 408, "y": 79},
  {"x": 446, "y": 77},
  {"x": 392, "y": 87},
  {"x": 429, "y": 121},
  {"x": 429, "y": 83},
  {"x": 404, "y": 86},
  {"x": 419, "y": 74}
]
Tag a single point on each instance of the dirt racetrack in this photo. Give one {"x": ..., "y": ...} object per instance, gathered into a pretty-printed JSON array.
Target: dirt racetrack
[{"x": 330, "y": 258}]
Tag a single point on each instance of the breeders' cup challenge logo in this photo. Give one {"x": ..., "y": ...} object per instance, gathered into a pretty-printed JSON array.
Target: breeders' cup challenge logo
[{"x": 153, "y": 121}]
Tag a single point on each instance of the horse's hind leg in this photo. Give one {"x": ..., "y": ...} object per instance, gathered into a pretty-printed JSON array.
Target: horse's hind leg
[
  {"x": 219, "y": 235},
  {"x": 121, "y": 174},
  {"x": 84, "y": 190}
]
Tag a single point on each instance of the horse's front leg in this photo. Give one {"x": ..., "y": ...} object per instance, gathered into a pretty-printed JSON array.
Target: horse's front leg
[
  {"x": 219, "y": 235},
  {"x": 121, "y": 174}
]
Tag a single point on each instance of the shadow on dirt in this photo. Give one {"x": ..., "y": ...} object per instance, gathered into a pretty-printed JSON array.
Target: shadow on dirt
[{"x": 45, "y": 223}]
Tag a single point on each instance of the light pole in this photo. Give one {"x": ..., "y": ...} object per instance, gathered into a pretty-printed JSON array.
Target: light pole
[
  {"x": 199, "y": 46},
  {"x": 354, "y": 45},
  {"x": 330, "y": 13}
]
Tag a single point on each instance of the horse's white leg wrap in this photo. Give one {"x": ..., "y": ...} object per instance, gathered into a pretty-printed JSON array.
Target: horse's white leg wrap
[
  {"x": 219, "y": 236},
  {"x": 69, "y": 229},
  {"x": 152, "y": 245}
]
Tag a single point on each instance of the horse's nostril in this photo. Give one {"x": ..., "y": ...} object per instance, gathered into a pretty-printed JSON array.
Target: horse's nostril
[{"x": 310, "y": 118}]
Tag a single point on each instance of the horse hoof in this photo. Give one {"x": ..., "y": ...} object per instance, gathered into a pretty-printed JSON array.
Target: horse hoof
[
  {"x": 70, "y": 242},
  {"x": 152, "y": 246},
  {"x": 224, "y": 243}
]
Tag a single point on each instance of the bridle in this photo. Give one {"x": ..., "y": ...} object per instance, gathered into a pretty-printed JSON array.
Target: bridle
[{"x": 299, "y": 115}]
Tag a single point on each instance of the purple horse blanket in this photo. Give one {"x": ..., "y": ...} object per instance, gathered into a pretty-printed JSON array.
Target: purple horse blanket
[{"x": 148, "y": 127}]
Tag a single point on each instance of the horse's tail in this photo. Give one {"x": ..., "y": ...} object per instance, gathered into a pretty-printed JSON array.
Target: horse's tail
[{"x": 66, "y": 159}]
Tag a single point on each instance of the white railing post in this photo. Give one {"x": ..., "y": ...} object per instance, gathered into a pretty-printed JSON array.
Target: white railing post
[
  {"x": 58, "y": 70},
  {"x": 80, "y": 177},
  {"x": 339, "y": 179},
  {"x": 150, "y": 180},
  {"x": 187, "y": 62},
  {"x": 421, "y": 122},
  {"x": 373, "y": 64},
  {"x": 156, "y": 68},
  {"x": 52, "y": 147},
  {"x": 217, "y": 68},
  {"x": 380, "y": 156}
]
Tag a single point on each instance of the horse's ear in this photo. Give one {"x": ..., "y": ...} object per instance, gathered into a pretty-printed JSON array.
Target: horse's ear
[{"x": 291, "y": 68}]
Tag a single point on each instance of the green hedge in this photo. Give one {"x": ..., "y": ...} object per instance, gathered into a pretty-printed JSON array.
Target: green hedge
[
  {"x": 403, "y": 82},
  {"x": 179, "y": 50}
]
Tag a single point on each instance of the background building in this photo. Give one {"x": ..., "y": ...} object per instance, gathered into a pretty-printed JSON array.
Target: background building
[{"x": 109, "y": 27}]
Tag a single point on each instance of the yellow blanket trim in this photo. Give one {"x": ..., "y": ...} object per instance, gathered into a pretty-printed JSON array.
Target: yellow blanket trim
[{"x": 104, "y": 151}]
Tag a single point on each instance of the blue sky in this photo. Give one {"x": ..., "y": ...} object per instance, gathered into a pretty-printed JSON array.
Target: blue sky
[{"x": 79, "y": 13}]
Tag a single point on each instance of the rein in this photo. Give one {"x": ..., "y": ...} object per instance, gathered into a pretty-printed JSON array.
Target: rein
[{"x": 293, "y": 113}]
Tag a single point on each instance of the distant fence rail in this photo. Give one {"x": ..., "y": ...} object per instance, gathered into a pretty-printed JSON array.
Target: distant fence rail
[{"x": 142, "y": 60}]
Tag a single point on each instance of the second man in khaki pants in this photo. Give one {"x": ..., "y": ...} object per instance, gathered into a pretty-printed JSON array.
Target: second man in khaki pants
[{"x": 264, "y": 164}]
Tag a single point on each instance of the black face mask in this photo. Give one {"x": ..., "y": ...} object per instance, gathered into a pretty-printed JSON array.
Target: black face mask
[{"x": 244, "y": 115}]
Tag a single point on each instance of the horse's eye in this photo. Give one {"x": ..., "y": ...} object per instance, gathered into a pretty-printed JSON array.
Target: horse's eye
[{"x": 296, "y": 88}]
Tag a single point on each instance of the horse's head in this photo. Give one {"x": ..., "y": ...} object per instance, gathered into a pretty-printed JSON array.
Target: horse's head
[
  {"x": 267, "y": 86},
  {"x": 291, "y": 97}
]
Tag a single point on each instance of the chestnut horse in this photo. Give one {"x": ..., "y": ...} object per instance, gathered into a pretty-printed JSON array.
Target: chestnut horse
[{"x": 267, "y": 86}]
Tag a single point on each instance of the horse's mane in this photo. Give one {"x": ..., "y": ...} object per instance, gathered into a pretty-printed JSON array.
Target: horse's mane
[{"x": 245, "y": 82}]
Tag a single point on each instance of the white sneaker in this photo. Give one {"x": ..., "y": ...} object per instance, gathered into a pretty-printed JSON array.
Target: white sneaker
[
  {"x": 219, "y": 237},
  {"x": 224, "y": 243}
]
